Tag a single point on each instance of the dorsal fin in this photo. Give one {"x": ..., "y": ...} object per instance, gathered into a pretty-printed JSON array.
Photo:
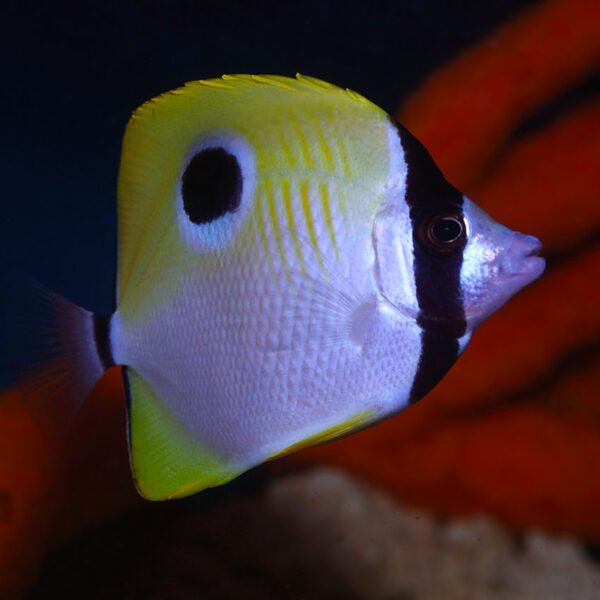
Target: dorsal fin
[{"x": 242, "y": 80}]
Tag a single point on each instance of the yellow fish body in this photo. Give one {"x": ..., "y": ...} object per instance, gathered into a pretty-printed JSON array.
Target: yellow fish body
[{"x": 292, "y": 266}]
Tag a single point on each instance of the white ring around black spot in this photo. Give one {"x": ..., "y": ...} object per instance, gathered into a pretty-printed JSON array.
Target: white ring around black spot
[{"x": 214, "y": 234}]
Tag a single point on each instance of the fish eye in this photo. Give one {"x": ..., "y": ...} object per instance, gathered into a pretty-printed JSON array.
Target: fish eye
[
  {"x": 446, "y": 230},
  {"x": 443, "y": 233},
  {"x": 211, "y": 185}
]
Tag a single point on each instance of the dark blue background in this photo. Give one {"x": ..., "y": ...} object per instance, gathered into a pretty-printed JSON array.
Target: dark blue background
[{"x": 74, "y": 72}]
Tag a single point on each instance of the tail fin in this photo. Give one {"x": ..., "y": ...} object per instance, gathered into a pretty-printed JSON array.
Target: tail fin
[{"x": 59, "y": 352}]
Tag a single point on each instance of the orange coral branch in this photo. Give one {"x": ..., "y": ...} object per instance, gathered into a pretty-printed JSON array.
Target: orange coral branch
[
  {"x": 556, "y": 174},
  {"x": 577, "y": 393},
  {"x": 524, "y": 465},
  {"x": 465, "y": 111},
  {"x": 27, "y": 467},
  {"x": 51, "y": 491}
]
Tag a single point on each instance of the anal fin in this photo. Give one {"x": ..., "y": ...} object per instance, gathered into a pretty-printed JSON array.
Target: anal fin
[{"x": 167, "y": 461}]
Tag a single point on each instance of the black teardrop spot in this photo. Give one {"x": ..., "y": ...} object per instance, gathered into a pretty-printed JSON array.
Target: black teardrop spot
[{"x": 211, "y": 185}]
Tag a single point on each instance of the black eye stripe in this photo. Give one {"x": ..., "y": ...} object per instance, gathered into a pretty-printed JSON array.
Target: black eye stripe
[
  {"x": 211, "y": 185},
  {"x": 437, "y": 274}
]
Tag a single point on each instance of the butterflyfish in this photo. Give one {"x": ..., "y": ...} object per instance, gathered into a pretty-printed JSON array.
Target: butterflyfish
[{"x": 292, "y": 267}]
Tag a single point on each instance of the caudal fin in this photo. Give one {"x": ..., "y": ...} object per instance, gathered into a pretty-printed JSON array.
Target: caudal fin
[{"x": 58, "y": 352}]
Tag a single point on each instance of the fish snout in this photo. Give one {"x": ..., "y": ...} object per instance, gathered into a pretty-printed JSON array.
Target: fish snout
[
  {"x": 525, "y": 262},
  {"x": 527, "y": 245}
]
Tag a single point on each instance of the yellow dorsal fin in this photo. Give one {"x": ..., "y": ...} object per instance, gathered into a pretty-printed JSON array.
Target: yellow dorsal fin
[{"x": 242, "y": 80}]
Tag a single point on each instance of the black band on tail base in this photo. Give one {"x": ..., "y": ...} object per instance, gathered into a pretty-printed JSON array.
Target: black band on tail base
[{"x": 102, "y": 338}]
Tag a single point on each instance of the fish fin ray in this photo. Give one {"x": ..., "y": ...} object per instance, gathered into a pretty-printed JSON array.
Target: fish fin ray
[{"x": 54, "y": 355}]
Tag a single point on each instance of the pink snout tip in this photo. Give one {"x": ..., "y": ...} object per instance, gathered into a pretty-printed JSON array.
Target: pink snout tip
[{"x": 527, "y": 263}]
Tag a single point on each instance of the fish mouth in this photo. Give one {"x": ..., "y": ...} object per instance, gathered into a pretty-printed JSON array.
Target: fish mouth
[
  {"x": 535, "y": 249},
  {"x": 533, "y": 268},
  {"x": 526, "y": 245},
  {"x": 528, "y": 263}
]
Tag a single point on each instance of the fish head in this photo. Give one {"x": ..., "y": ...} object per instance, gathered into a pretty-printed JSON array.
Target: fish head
[
  {"x": 293, "y": 266},
  {"x": 442, "y": 261}
]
